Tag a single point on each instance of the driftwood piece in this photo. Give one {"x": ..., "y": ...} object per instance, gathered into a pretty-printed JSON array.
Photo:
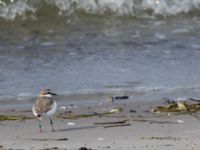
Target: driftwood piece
[
  {"x": 192, "y": 99},
  {"x": 117, "y": 125},
  {"x": 114, "y": 122},
  {"x": 154, "y": 121},
  {"x": 47, "y": 139}
]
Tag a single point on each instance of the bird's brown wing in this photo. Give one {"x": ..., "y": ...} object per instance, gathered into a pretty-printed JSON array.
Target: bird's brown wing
[{"x": 43, "y": 105}]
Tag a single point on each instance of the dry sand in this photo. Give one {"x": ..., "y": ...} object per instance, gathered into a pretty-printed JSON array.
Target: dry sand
[{"x": 144, "y": 130}]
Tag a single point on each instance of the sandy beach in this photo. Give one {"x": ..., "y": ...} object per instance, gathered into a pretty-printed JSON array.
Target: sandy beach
[
  {"x": 128, "y": 125},
  {"x": 88, "y": 50}
]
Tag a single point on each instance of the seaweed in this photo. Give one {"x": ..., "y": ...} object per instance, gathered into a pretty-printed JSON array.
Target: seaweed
[
  {"x": 13, "y": 118},
  {"x": 74, "y": 116},
  {"x": 179, "y": 107}
]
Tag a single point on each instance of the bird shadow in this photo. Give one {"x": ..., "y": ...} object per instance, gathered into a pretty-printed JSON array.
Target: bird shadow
[{"x": 75, "y": 128}]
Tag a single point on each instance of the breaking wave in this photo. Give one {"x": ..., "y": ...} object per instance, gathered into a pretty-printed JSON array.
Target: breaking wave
[{"x": 10, "y": 9}]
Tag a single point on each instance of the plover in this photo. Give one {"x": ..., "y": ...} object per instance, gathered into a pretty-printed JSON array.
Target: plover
[{"x": 45, "y": 106}]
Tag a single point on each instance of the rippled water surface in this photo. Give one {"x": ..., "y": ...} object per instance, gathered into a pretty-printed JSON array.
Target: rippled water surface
[{"x": 93, "y": 47}]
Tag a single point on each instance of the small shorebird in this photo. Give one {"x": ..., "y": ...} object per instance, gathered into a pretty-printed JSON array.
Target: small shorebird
[{"x": 45, "y": 106}]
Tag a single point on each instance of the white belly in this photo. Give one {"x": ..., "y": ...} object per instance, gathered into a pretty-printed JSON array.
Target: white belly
[{"x": 52, "y": 111}]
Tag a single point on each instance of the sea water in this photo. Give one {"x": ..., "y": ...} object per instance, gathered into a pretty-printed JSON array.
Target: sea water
[{"x": 142, "y": 48}]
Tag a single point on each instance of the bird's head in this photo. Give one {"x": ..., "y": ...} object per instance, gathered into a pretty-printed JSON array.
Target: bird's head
[{"x": 46, "y": 93}]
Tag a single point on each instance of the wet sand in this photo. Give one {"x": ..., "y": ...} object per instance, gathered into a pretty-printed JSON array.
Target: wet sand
[{"x": 138, "y": 128}]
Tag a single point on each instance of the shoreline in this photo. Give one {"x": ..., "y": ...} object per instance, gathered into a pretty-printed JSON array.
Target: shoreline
[{"x": 154, "y": 96}]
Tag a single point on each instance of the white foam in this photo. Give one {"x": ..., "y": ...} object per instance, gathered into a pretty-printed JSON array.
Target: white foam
[{"x": 10, "y": 10}]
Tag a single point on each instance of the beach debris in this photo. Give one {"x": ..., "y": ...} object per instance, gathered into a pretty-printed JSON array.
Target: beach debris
[
  {"x": 52, "y": 148},
  {"x": 13, "y": 118},
  {"x": 116, "y": 110},
  {"x": 168, "y": 101},
  {"x": 117, "y": 125},
  {"x": 72, "y": 106},
  {"x": 194, "y": 99},
  {"x": 115, "y": 122},
  {"x": 181, "y": 106},
  {"x": 100, "y": 139},
  {"x": 178, "y": 106},
  {"x": 104, "y": 147},
  {"x": 179, "y": 121},
  {"x": 117, "y": 98},
  {"x": 71, "y": 123},
  {"x": 162, "y": 138},
  {"x": 132, "y": 111},
  {"x": 62, "y": 108},
  {"x": 154, "y": 121},
  {"x": 47, "y": 139},
  {"x": 84, "y": 148}
]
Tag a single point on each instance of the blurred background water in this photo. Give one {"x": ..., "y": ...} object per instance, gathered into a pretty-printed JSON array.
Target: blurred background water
[{"x": 140, "y": 48}]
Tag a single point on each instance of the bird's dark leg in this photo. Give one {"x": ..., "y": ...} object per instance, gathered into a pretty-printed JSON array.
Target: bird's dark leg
[
  {"x": 40, "y": 125},
  {"x": 51, "y": 123}
]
